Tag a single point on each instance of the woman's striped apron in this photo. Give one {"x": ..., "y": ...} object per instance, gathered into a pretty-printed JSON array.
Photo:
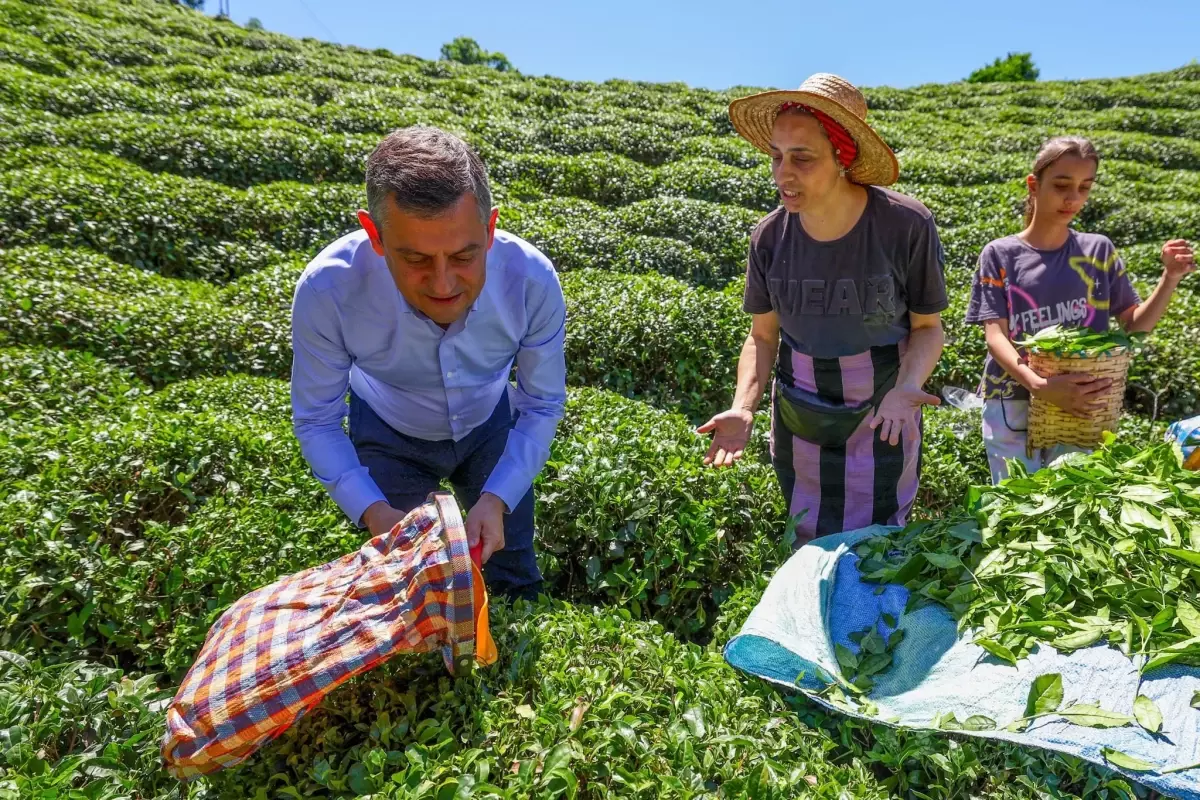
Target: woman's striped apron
[{"x": 863, "y": 482}]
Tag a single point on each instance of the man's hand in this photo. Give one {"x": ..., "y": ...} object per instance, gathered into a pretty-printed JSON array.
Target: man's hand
[
  {"x": 485, "y": 521},
  {"x": 897, "y": 409},
  {"x": 381, "y": 517},
  {"x": 732, "y": 434}
]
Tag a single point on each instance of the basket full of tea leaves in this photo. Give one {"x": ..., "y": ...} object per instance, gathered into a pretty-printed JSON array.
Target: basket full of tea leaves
[{"x": 1059, "y": 350}]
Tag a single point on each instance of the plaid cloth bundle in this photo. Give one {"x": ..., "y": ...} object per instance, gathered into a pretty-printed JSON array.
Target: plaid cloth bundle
[{"x": 276, "y": 652}]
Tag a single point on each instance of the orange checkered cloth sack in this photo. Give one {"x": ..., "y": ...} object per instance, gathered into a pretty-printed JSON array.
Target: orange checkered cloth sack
[{"x": 276, "y": 652}]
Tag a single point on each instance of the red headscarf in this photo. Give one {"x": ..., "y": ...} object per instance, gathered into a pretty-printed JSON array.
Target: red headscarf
[{"x": 843, "y": 143}]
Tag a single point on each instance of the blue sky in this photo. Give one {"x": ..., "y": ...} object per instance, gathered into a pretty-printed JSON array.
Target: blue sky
[{"x": 768, "y": 43}]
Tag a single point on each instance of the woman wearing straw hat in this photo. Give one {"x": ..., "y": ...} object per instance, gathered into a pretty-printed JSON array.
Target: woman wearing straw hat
[{"x": 845, "y": 284}]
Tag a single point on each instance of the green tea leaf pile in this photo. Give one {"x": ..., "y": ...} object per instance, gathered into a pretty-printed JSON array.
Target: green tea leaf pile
[
  {"x": 1080, "y": 341},
  {"x": 1099, "y": 548}
]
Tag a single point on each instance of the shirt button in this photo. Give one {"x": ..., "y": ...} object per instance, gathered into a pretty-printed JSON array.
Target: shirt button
[
  {"x": 455, "y": 417},
  {"x": 450, "y": 374}
]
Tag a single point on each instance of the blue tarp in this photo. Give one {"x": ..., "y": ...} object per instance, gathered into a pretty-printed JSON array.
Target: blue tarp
[{"x": 817, "y": 599}]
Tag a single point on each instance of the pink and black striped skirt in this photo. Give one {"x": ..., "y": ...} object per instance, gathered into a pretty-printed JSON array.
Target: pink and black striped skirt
[{"x": 863, "y": 482}]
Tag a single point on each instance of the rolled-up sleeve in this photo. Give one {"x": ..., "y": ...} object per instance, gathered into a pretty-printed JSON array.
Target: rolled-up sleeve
[
  {"x": 539, "y": 397},
  {"x": 320, "y": 377}
]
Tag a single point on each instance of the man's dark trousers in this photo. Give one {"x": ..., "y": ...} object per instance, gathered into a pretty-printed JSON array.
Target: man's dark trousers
[{"x": 407, "y": 469}]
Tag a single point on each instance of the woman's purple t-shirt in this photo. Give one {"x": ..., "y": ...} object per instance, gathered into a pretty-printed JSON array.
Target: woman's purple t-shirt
[{"x": 1081, "y": 283}]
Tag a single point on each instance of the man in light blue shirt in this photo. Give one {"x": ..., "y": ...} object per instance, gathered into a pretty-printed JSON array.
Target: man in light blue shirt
[{"x": 422, "y": 314}]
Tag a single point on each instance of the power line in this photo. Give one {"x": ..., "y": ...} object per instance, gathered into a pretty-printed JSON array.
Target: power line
[{"x": 316, "y": 19}]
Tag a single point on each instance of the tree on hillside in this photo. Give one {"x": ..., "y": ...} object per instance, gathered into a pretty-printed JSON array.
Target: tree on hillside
[
  {"x": 255, "y": 24},
  {"x": 1014, "y": 67},
  {"x": 466, "y": 50}
]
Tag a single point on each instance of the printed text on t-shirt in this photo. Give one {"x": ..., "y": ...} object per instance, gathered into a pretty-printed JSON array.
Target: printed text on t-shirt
[{"x": 815, "y": 297}]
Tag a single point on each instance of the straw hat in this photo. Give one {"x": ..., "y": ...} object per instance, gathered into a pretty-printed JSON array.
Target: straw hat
[{"x": 875, "y": 163}]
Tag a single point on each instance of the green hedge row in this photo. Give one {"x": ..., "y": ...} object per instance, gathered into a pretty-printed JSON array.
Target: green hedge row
[
  {"x": 637, "y": 521},
  {"x": 582, "y": 703},
  {"x": 937, "y": 132},
  {"x": 192, "y": 228},
  {"x": 185, "y": 226},
  {"x": 232, "y": 147},
  {"x": 45, "y": 385},
  {"x": 1157, "y": 121},
  {"x": 181, "y": 227},
  {"x": 128, "y": 533},
  {"x": 678, "y": 345},
  {"x": 164, "y": 330},
  {"x": 279, "y": 139},
  {"x": 269, "y": 151},
  {"x": 80, "y": 729},
  {"x": 646, "y": 336},
  {"x": 126, "y": 537},
  {"x": 695, "y": 241},
  {"x": 1175, "y": 89}
]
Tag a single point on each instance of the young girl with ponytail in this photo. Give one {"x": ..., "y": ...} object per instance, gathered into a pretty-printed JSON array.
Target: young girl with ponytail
[{"x": 1049, "y": 274}]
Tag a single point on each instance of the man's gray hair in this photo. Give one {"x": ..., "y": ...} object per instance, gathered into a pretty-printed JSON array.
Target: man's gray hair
[{"x": 426, "y": 171}]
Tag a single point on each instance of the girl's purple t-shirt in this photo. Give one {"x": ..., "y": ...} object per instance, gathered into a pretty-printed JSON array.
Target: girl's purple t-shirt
[{"x": 1081, "y": 283}]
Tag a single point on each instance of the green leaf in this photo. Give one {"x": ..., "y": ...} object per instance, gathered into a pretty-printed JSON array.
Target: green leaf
[
  {"x": 558, "y": 758},
  {"x": 979, "y": 722},
  {"x": 874, "y": 664},
  {"x": 943, "y": 560},
  {"x": 1126, "y": 761},
  {"x": 1145, "y": 494},
  {"x": 946, "y": 721},
  {"x": 998, "y": 650},
  {"x": 1045, "y": 695},
  {"x": 1093, "y": 716},
  {"x": 1078, "y": 639},
  {"x": 1189, "y": 617},
  {"x": 967, "y": 531},
  {"x": 1190, "y": 556},
  {"x": 694, "y": 717},
  {"x": 910, "y": 570},
  {"x": 846, "y": 658},
  {"x": 1147, "y": 714},
  {"x": 993, "y": 562}
]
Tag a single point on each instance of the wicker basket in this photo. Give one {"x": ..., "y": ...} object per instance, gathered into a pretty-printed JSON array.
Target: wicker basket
[{"x": 1050, "y": 425}]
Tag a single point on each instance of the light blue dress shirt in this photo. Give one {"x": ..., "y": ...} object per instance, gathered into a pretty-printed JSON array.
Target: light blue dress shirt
[{"x": 352, "y": 327}]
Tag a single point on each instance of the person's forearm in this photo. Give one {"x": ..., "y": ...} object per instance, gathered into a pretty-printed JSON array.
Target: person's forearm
[
  {"x": 525, "y": 452},
  {"x": 924, "y": 349},
  {"x": 1006, "y": 355},
  {"x": 1147, "y": 315},
  {"x": 335, "y": 464},
  {"x": 754, "y": 370}
]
